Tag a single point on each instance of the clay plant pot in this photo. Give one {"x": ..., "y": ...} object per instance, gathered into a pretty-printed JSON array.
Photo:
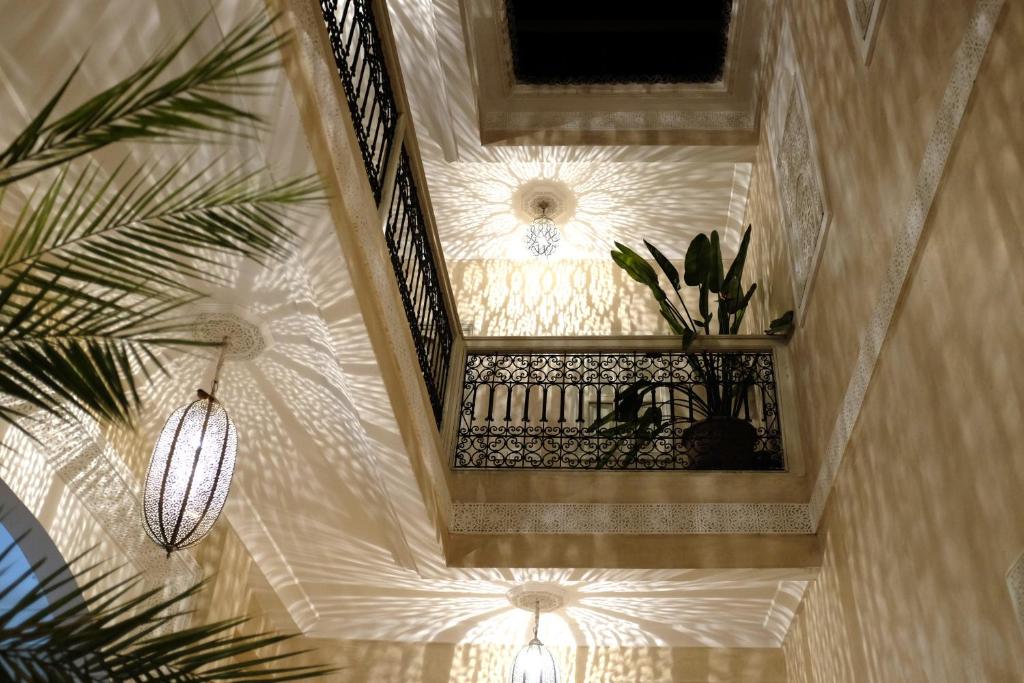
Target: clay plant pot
[{"x": 721, "y": 443}]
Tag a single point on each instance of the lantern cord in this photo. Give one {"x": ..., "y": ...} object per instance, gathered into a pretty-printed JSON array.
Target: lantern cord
[
  {"x": 536, "y": 618},
  {"x": 220, "y": 364}
]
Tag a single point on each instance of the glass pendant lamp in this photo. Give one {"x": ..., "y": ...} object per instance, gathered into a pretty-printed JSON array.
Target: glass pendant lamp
[
  {"x": 542, "y": 236},
  {"x": 534, "y": 663},
  {"x": 190, "y": 470}
]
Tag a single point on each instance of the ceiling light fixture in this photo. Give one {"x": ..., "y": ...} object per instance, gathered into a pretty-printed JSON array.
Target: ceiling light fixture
[
  {"x": 190, "y": 470},
  {"x": 534, "y": 663},
  {"x": 542, "y": 236}
]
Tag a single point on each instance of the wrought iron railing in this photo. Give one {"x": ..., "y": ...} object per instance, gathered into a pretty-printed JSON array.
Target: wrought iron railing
[
  {"x": 356, "y": 43},
  {"x": 534, "y": 409},
  {"x": 359, "y": 57},
  {"x": 419, "y": 284}
]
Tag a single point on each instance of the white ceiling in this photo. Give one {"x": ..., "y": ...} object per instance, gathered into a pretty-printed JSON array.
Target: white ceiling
[
  {"x": 661, "y": 193},
  {"x": 324, "y": 497}
]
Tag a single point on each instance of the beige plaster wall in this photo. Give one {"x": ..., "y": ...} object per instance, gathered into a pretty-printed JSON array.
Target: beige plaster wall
[
  {"x": 925, "y": 516},
  {"x": 550, "y": 298},
  {"x": 565, "y": 297},
  {"x": 871, "y": 126}
]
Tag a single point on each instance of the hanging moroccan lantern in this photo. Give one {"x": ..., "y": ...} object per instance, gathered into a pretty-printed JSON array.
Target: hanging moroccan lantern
[
  {"x": 190, "y": 471},
  {"x": 534, "y": 663}
]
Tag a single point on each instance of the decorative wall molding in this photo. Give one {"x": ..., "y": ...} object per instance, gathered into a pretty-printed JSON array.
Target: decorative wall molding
[
  {"x": 1015, "y": 584},
  {"x": 619, "y": 120},
  {"x": 864, "y": 15},
  {"x": 626, "y": 518},
  {"x": 797, "y": 166},
  {"x": 246, "y": 335},
  {"x": 947, "y": 122}
]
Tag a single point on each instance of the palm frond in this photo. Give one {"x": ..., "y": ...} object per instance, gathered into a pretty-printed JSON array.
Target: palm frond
[
  {"x": 66, "y": 349},
  {"x": 102, "y": 232},
  {"x": 187, "y": 107},
  {"x": 105, "y": 629}
]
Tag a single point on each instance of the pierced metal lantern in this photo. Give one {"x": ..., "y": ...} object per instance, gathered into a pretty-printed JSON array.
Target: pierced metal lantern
[
  {"x": 542, "y": 236},
  {"x": 534, "y": 663},
  {"x": 190, "y": 471}
]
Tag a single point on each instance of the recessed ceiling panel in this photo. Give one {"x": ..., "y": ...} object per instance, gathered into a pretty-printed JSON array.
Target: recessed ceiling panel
[{"x": 586, "y": 42}]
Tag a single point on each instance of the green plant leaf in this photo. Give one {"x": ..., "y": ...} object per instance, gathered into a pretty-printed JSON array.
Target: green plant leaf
[
  {"x": 688, "y": 336},
  {"x": 781, "y": 325},
  {"x": 101, "y": 232},
  {"x": 95, "y": 269},
  {"x": 737, "y": 321},
  {"x": 705, "y": 309},
  {"x": 715, "y": 276},
  {"x": 635, "y": 265},
  {"x": 697, "y": 265},
  {"x": 668, "y": 313},
  {"x": 736, "y": 267},
  {"x": 184, "y": 108},
  {"x": 737, "y": 300},
  {"x": 94, "y": 627},
  {"x": 666, "y": 266},
  {"x": 638, "y": 269}
]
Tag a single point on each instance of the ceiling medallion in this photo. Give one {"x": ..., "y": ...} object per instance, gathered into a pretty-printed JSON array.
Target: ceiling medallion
[
  {"x": 543, "y": 205},
  {"x": 247, "y": 336},
  {"x": 559, "y": 199},
  {"x": 547, "y": 597}
]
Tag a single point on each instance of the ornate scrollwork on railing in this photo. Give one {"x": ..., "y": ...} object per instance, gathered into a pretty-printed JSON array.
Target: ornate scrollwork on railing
[
  {"x": 358, "y": 55},
  {"x": 419, "y": 284},
  {"x": 534, "y": 409}
]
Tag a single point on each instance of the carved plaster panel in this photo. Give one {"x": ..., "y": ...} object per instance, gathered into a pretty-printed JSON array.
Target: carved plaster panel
[
  {"x": 864, "y": 15},
  {"x": 797, "y": 168},
  {"x": 626, "y": 518},
  {"x": 801, "y": 192},
  {"x": 1015, "y": 584}
]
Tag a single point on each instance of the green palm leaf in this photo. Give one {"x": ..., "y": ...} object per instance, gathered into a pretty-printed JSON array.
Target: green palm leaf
[
  {"x": 145, "y": 236},
  {"x": 65, "y": 348},
  {"x": 105, "y": 629},
  {"x": 96, "y": 269},
  {"x": 184, "y": 108}
]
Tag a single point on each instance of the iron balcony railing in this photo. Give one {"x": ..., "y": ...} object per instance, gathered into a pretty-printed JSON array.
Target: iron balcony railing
[
  {"x": 359, "y": 53},
  {"x": 534, "y": 410},
  {"x": 415, "y": 267},
  {"x": 359, "y": 57}
]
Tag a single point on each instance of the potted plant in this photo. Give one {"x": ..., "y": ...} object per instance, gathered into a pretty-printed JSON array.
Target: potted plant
[{"x": 720, "y": 439}]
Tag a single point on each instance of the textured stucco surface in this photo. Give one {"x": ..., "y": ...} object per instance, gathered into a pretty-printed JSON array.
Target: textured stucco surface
[{"x": 924, "y": 519}]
